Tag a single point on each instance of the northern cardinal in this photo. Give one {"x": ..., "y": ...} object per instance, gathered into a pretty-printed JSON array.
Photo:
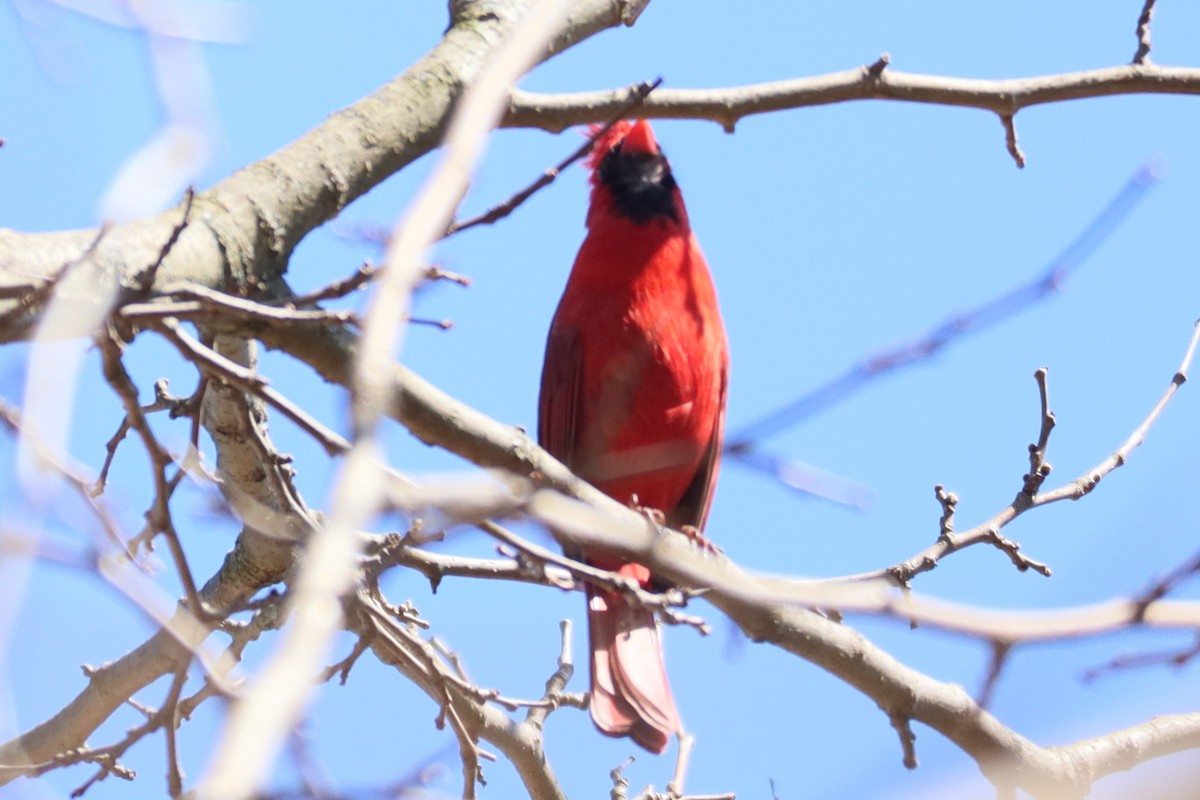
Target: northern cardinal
[{"x": 633, "y": 401}]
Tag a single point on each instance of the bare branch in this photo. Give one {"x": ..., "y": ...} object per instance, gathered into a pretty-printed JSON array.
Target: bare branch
[
  {"x": 989, "y": 532},
  {"x": 226, "y": 370},
  {"x": 158, "y": 517},
  {"x": 1175, "y": 657},
  {"x": 499, "y": 212},
  {"x": 520, "y": 742},
  {"x": 262, "y": 717},
  {"x": 556, "y": 112},
  {"x": 1086, "y": 483},
  {"x": 1007, "y": 758}
]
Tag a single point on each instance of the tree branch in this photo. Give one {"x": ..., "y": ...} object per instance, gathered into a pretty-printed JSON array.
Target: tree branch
[
  {"x": 556, "y": 112},
  {"x": 241, "y": 232},
  {"x": 902, "y": 693}
]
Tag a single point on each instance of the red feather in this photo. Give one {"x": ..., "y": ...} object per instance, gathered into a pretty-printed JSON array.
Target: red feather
[{"x": 633, "y": 400}]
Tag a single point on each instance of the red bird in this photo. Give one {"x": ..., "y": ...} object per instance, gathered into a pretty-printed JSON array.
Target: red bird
[{"x": 633, "y": 401}]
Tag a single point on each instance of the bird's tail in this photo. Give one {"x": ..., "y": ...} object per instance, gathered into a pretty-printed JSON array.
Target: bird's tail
[{"x": 630, "y": 693}]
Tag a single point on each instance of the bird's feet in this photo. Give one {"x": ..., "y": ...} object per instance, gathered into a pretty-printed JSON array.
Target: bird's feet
[
  {"x": 658, "y": 519},
  {"x": 655, "y": 515},
  {"x": 699, "y": 539}
]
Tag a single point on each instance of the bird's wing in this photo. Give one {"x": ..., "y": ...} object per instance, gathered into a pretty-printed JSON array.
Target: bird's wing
[{"x": 697, "y": 498}]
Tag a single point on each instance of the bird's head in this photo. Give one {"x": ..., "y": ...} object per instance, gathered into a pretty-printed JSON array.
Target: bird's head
[{"x": 631, "y": 175}]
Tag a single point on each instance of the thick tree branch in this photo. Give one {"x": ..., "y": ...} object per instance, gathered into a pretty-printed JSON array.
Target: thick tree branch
[
  {"x": 242, "y": 231},
  {"x": 902, "y": 693}
]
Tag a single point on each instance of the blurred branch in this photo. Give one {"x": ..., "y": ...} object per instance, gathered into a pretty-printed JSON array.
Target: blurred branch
[
  {"x": 243, "y": 230},
  {"x": 71, "y": 474},
  {"x": 256, "y": 561},
  {"x": 1015, "y": 627},
  {"x": 239, "y": 237},
  {"x": 956, "y": 328},
  {"x": 1176, "y": 658},
  {"x": 1147, "y": 604},
  {"x": 262, "y": 717}
]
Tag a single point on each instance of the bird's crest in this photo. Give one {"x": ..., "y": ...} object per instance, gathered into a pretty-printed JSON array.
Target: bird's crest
[{"x": 636, "y": 135}]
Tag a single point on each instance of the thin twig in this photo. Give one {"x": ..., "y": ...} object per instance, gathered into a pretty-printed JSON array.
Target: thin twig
[
  {"x": 664, "y": 604},
  {"x": 554, "y": 696},
  {"x": 1039, "y": 468},
  {"x": 144, "y": 280},
  {"x": 343, "y": 667},
  {"x": 1010, "y": 139},
  {"x": 158, "y": 517},
  {"x": 217, "y": 366},
  {"x": 1174, "y": 657},
  {"x": 908, "y": 739},
  {"x": 1142, "y": 56},
  {"x": 1000, "y": 653},
  {"x": 108, "y": 758},
  {"x": 989, "y": 532},
  {"x": 639, "y": 94},
  {"x": 11, "y": 418}
]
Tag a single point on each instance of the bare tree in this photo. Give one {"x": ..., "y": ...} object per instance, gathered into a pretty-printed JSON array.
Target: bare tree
[{"x": 207, "y": 278}]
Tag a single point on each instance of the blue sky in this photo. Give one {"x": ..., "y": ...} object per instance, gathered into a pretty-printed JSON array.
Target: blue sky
[{"x": 832, "y": 232}]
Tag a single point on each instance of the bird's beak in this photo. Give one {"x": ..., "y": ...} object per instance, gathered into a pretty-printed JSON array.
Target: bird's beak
[{"x": 640, "y": 139}]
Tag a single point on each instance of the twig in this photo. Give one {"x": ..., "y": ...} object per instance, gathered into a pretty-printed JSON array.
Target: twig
[
  {"x": 215, "y": 365},
  {"x": 1142, "y": 56},
  {"x": 881, "y": 63},
  {"x": 664, "y": 604},
  {"x": 554, "y": 696},
  {"x": 908, "y": 739},
  {"x": 989, "y": 532},
  {"x": 1000, "y": 653},
  {"x": 73, "y": 476},
  {"x": 682, "y": 759},
  {"x": 1010, "y": 139},
  {"x": 393, "y": 551},
  {"x": 158, "y": 517},
  {"x": 1039, "y": 468},
  {"x": 620, "y": 782},
  {"x": 639, "y": 94},
  {"x": 1174, "y": 657},
  {"x": 948, "y": 501},
  {"x": 108, "y": 758},
  {"x": 144, "y": 280},
  {"x": 343, "y": 667},
  {"x": 163, "y": 401},
  {"x": 1164, "y": 585},
  {"x": 1085, "y": 484}
]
